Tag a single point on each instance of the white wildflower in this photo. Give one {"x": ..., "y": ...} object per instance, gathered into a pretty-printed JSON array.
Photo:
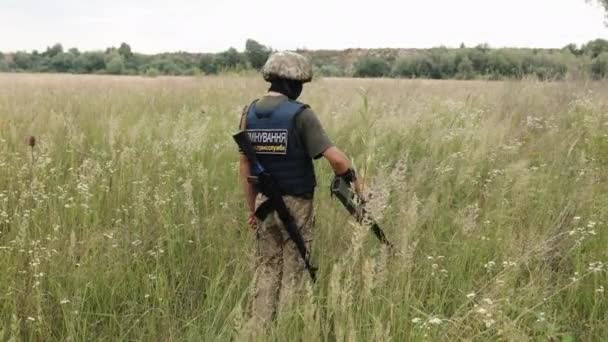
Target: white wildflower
[
  {"x": 489, "y": 265},
  {"x": 541, "y": 317},
  {"x": 435, "y": 321},
  {"x": 471, "y": 295},
  {"x": 416, "y": 320},
  {"x": 596, "y": 267}
]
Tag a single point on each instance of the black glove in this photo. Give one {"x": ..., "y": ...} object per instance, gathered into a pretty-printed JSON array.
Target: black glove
[{"x": 349, "y": 176}]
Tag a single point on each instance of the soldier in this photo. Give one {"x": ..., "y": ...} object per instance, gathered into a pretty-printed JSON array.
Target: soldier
[{"x": 288, "y": 137}]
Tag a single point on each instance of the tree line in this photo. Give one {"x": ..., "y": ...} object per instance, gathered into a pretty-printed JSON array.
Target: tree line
[
  {"x": 480, "y": 62},
  {"x": 123, "y": 61}
]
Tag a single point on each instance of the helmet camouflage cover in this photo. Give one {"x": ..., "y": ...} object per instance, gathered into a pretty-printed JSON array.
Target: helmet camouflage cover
[{"x": 287, "y": 65}]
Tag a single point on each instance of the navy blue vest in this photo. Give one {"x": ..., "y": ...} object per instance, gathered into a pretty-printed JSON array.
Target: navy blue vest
[{"x": 279, "y": 148}]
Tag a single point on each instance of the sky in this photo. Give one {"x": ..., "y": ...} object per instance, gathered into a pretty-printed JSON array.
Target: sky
[{"x": 152, "y": 26}]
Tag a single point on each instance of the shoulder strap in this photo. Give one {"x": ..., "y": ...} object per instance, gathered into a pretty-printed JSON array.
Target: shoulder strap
[{"x": 243, "y": 124}]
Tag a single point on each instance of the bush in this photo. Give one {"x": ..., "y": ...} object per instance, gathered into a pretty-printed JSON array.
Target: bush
[
  {"x": 63, "y": 62},
  {"x": 208, "y": 65},
  {"x": 372, "y": 67},
  {"x": 116, "y": 65},
  {"x": 465, "y": 69},
  {"x": 404, "y": 67},
  {"x": 599, "y": 66},
  {"x": 194, "y": 71},
  {"x": 152, "y": 72},
  {"x": 90, "y": 62},
  {"x": 4, "y": 66},
  {"x": 330, "y": 70}
]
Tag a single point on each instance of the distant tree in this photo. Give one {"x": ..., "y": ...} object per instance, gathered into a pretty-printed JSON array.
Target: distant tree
[
  {"x": 545, "y": 66},
  {"x": 53, "y": 51},
  {"x": 3, "y": 63},
  {"x": 483, "y": 47},
  {"x": 90, "y": 62},
  {"x": 22, "y": 60},
  {"x": 503, "y": 63},
  {"x": 62, "y": 62},
  {"x": 256, "y": 53},
  {"x": 465, "y": 69},
  {"x": 595, "y": 47},
  {"x": 115, "y": 65},
  {"x": 423, "y": 66},
  {"x": 329, "y": 70},
  {"x": 603, "y": 2},
  {"x": 194, "y": 71},
  {"x": 171, "y": 68},
  {"x": 372, "y": 67},
  {"x": 446, "y": 64},
  {"x": 573, "y": 49},
  {"x": 74, "y": 51},
  {"x": 229, "y": 59},
  {"x": 404, "y": 67},
  {"x": 208, "y": 65},
  {"x": 599, "y": 66},
  {"x": 479, "y": 58},
  {"x": 125, "y": 51}
]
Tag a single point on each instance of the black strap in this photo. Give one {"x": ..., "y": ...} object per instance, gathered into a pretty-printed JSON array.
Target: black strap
[{"x": 264, "y": 210}]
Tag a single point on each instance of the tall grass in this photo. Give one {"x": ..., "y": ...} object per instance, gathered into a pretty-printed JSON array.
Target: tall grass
[{"x": 128, "y": 222}]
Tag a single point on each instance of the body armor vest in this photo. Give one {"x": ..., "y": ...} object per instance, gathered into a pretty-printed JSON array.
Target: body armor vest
[{"x": 279, "y": 148}]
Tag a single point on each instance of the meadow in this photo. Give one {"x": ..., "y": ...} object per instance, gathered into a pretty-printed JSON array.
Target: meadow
[{"x": 125, "y": 221}]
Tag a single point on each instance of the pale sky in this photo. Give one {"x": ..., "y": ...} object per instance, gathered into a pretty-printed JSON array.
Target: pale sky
[{"x": 151, "y": 26}]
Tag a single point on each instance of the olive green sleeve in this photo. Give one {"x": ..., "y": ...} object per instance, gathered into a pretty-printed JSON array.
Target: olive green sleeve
[{"x": 312, "y": 134}]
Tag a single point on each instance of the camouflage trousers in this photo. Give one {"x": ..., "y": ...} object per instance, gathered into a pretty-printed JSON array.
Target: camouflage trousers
[{"x": 280, "y": 271}]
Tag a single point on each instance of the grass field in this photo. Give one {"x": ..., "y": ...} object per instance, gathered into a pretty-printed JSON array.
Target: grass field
[{"x": 126, "y": 222}]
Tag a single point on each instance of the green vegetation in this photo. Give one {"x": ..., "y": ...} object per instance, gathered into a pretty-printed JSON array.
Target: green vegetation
[
  {"x": 122, "y": 61},
  {"x": 126, "y": 221},
  {"x": 481, "y": 62},
  {"x": 372, "y": 67}
]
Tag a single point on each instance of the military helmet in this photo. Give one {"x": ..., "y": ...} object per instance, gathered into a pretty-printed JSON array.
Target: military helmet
[{"x": 287, "y": 65}]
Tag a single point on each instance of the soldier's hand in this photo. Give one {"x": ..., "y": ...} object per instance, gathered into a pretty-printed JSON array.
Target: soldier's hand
[{"x": 251, "y": 221}]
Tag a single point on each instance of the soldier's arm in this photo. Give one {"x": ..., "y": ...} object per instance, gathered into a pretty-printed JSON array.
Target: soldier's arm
[
  {"x": 318, "y": 145},
  {"x": 248, "y": 188},
  {"x": 341, "y": 165}
]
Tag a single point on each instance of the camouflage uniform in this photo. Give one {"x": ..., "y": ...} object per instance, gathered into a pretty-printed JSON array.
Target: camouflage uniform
[{"x": 280, "y": 269}]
